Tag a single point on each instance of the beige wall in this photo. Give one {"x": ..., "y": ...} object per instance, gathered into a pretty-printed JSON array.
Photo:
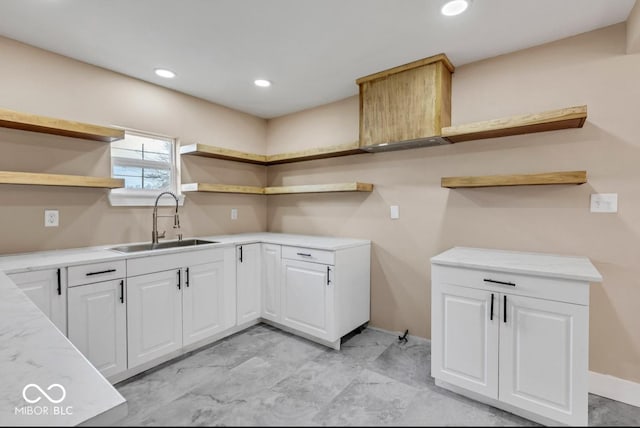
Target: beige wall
[
  {"x": 40, "y": 82},
  {"x": 633, "y": 30},
  {"x": 588, "y": 69}
]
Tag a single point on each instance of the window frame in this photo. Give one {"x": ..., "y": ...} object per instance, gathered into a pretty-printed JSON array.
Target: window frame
[{"x": 145, "y": 198}]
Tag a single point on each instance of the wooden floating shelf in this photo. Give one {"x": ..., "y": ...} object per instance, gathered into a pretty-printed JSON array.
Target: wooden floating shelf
[
  {"x": 11, "y": 177},
  {"x": 567, "y": 177},
  {"x": 280, "y": 190},
  {"x": 316, "y": 153},
  {"x": 222, "y": 188},
  {"x": 222, "y": 153},
  {"x": 303, "y": 155},
  {"x": 571, "y": 117},
  {"x": 320, "y": 188},
  {"x": 66, "y": 128}
]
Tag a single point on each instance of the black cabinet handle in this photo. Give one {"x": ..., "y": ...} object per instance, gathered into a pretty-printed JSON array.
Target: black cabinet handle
[
  {"x": 240, "y": 253},
  {"x": 179, "y": 278},
  {"x": 122, "y": 291},
  {"x": 187, "y": 278},
  {"x": 59, "y": 284},
  {"x": 328, "y": 274},
  {"x": 500, "y": 282},
  {"x": 505, "y": 308},
  {"x": 101, "y": 272},
  {"x": 491, "y": 316},
  {"x": 304, "y": 254}
]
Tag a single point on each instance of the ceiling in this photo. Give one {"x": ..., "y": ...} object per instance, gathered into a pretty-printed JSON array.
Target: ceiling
[{"x": 312, "y": 50}]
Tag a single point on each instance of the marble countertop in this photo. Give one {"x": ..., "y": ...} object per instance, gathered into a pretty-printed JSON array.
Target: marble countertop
[
  {"x": 34, "y": 351},
  {"x": 537, "y": 264},
  {"x": 14, "y": 263}
]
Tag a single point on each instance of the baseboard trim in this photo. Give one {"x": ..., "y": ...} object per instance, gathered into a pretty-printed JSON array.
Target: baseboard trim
[{"x": 614, "y": 388}]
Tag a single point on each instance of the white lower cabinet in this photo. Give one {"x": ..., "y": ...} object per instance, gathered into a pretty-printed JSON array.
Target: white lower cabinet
[
  {"x": 519, "y": 340},
  {"x": 48, "y": 290},
  {"x": 271, "y": 268},
  {"x": 307, "y": 298},
  {"x": 98, "y": 324},
  {"x": 544, "y": 358},
  {"x": 154, "y": 315},
  {"x": 203, "y": 302},
  {"x": 248, "y": 282}
]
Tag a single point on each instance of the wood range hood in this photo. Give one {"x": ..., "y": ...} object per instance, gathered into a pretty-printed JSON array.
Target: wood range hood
[{"x": 406, "y": 106}]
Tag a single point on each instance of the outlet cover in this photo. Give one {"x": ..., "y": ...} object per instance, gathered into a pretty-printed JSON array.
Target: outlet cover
[
  {"x": 51, "y": 218},
  {"x": 234, "y": 213},
  {"x": 604, "y": 203}
]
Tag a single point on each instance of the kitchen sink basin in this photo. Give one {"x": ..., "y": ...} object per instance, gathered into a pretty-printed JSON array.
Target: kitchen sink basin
[{"x": 161, "y": 245}]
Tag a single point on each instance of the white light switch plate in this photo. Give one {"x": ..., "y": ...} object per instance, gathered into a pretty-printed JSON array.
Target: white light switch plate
[
  {"x": 234, "y": 213},
  {"x": 395, "y": 212},
  {"x": 604, "y": 203},
  {"x": 51, "y": 218}
]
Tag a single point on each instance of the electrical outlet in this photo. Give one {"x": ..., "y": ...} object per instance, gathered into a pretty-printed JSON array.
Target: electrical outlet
[
  {"x": 234, "y": 213},
  {"x": 604, "y": 203},
  {"x": 51, "y": 218}
]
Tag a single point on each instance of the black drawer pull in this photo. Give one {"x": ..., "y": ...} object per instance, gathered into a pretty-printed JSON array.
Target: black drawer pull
[
  {"x": 179, "y": 278},
  {"x": 491, "y": 316},
  {"x": 101, "y": 272},
  {"x": 241, "y": 254},
  {"x": 304, "y": 254},
  {"x": 186, "y": 271},
  {"x": 59, "y": 284},
  {"x": 328, "y": 275},
  {"x": 499, "y": 282},
  {"x": 122, "y": 291}
]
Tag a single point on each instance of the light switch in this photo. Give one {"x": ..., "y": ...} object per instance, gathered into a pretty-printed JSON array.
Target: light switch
[
  {"x": 234, "y": 213},
  {"x": 395, "y": 212},
  {"x": 604, "y": 203}
]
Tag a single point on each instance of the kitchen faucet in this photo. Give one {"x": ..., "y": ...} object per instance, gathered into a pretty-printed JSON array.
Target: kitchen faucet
[{"x": 176, "y": 220}]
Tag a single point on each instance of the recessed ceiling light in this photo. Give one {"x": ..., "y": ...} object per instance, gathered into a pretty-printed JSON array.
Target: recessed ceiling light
[
  {"x": 455, "y": 7},
  {"x": 262, "y": 83},
  {"x": 162, "y": 72}
]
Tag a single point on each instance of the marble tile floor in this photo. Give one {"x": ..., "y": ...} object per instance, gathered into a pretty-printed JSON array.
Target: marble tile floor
[{"x": 263, "y": 377}]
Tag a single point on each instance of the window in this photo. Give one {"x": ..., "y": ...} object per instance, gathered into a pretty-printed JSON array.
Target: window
[{"x": 147, "y": 163}]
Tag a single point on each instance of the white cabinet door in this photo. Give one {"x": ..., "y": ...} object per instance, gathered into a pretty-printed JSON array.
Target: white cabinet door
[
  {"x": 48, "y": 290},
  {"x": 154, "y": 316},
  {"x": 465, "y": 338},
  {"x": 544, "y": 358},
  {"x": 203, "y": 299},
  {"x": 248, "y": 282},
  {"x": 307, "y": 298},
  {"x": 271, "y": 265},
  {"x": 98, "y": 324}
]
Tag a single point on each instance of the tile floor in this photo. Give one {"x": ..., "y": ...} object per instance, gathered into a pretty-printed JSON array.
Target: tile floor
[{"x": 263, "y": 376}]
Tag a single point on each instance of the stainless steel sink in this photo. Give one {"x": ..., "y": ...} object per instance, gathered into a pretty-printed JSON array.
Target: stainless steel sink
[{"x": 161, "y": 245}]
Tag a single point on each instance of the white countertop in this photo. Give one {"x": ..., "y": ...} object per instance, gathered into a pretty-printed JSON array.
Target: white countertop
[
  {"x": 14, "y": 263},
  {"x": 34, "y": 351},
  {"x": 537, "y": 264}
]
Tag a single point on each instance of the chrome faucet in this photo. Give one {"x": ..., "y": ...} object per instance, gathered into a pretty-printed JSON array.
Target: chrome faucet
[{"x": 176, "y": 220}]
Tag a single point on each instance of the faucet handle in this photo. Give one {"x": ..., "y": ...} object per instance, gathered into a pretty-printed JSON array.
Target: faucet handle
[{"x": 162, "y": 235}]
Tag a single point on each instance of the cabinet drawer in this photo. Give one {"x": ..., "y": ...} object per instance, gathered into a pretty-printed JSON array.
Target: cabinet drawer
[
  {"x": 96, "y": 272},
  {"x": 309, "y": 255},
  {"x": 559, "y": 289}
]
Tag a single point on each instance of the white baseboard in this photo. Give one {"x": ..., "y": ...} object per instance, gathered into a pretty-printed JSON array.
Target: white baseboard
[{"x": 614, "y": 388}]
